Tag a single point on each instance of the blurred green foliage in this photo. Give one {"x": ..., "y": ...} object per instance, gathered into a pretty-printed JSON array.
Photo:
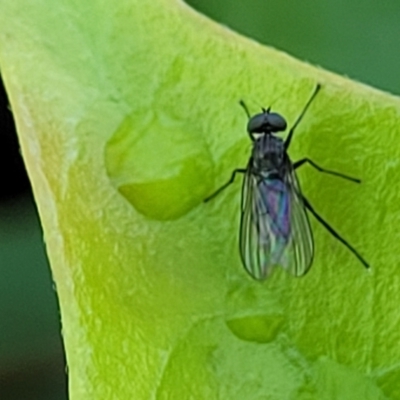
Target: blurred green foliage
[
  {"x": 359, "y": 38},
  {"x": 31, "y": 356}
]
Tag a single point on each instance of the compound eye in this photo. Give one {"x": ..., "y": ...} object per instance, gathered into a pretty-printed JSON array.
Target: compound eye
[
  {"x": 256, "y": 123},
  {"x": 276, "y": 122}
]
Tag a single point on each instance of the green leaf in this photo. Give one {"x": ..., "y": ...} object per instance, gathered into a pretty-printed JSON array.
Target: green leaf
[{"x": 128, "y": 118}]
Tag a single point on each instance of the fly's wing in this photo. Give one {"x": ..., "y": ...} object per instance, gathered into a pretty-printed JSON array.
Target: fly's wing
[
  {"x": 265, "y": 224},
  {"x": 252, "y": 250},
  {"x": 300, "y": 249},
  {"x": 274, "y": 227}
]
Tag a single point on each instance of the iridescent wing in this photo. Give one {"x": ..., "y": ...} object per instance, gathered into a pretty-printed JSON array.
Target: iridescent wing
[
  {"x": 300, "y": 249},
  {"x": 274, "y": 227}
]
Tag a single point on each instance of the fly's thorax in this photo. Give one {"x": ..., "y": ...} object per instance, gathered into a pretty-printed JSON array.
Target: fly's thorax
[{"x": 268, "y": 154}]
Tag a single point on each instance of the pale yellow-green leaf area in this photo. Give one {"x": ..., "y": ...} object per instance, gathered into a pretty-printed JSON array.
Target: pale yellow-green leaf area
[{"x": 128, "y": 117}]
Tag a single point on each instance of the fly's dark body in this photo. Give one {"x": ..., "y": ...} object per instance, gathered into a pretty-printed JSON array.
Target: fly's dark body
[
  {"x": 269, "y": 158},
  {"x": 274, "y": 227}
]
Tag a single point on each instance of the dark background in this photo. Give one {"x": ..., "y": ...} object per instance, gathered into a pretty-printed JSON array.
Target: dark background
[{"x": 358, "y": 38}]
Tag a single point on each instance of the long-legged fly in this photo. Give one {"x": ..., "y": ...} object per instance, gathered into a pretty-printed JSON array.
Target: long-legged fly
[{"x": 274, "y": 225}]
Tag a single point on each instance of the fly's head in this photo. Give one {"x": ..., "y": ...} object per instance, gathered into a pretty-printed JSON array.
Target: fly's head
[{"x": 265, "y": 123}]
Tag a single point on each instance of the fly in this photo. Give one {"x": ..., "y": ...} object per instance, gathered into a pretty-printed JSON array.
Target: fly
[{"x": 274, "y": 225}]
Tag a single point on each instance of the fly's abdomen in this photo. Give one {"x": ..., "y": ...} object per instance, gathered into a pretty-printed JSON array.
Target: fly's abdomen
[
  {"x": 275, "y": 205},
  {"x": 274, "y": 224}
]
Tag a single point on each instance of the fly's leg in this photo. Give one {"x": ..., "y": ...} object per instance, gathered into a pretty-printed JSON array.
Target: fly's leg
[
  {"x": 246, "y": 110},
  {"x": 301, "y": 162},
  {"x": 300, "y": 117},
  {"x": 333, "y": 232},
  {"x": 218, "y": 191}
]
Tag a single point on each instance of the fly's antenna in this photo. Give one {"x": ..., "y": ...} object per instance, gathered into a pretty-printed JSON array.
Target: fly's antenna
[
  {"x": 246, "y": 110},
  {"x": 300, "y": 117},
  {"x": 271, "y": 104},
  {"x": 264, "y": 110}
]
